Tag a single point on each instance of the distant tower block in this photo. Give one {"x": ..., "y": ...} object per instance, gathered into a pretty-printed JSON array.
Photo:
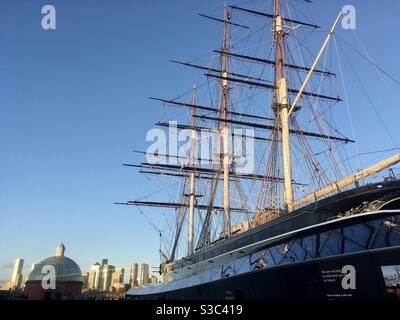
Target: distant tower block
[
  {"x": 134, "y": 274},
  {"x": 144, "y": 275},
  {"x": 16, "y": 278}
]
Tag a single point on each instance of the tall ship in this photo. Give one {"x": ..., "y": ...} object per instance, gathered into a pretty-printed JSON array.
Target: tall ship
[{"x": 270, "y": 198}]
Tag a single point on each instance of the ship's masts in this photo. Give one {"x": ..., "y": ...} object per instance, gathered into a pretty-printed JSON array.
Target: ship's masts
[
  {"x": 281, "y": 95},
  {"x": 192, "y": 178},
  {"x": 225, "y": 142},
  {"x": 278, "y": 42}
]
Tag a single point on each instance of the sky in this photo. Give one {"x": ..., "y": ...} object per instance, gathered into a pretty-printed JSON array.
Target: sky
[{"x": 74, "y": 104}]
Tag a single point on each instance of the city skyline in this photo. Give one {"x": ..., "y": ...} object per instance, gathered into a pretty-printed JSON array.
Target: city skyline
[
  {"x": 19, "y": 266},
  {"x": 102, "y": 279}
]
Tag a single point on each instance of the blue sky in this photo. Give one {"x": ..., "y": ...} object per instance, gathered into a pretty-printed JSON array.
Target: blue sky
[{"x": 73, "y": 105}]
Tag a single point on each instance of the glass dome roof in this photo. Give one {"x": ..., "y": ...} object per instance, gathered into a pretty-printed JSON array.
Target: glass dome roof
[{"x": 66, "y": 268}]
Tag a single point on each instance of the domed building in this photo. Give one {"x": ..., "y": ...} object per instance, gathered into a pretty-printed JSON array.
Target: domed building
[{"x": 68, "y": 278}]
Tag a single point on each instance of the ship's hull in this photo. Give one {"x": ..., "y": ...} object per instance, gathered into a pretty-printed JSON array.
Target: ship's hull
[
  {"x": 355, "y": 256},
  {"x": 317, "y": 279},
  {"x": 347, "y": 202}
]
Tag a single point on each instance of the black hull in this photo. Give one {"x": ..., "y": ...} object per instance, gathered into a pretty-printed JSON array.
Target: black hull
[
  {"x": 303, "y": 256},
  {"x": 318, "y": 279}
]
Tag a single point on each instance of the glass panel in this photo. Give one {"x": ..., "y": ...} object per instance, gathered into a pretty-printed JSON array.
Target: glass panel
[
  {"x": 269, "y": 259},
  {"x": 276, "y": 254},
  {"x": 242, "y": 265},
  {"x": 351, "y": 246},
  {"x": 331, "y": 243},
  {"x": 360, "y": 234},
  {"x": 308, "y": 245},
  {"x": 394, "y": 236},
  {"x": 381, "y": 237},
  {"x": 297, "y": 251}
]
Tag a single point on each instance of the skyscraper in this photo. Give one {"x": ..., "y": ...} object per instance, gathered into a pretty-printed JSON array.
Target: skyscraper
[
  {"x": 106, "y": 275},
  {"x": 94, "y": 277},
  {"x": 16, "y": 278},
  {"x": 85, "y": 279},
  {"x": 118, "y": 275},
  {"x": 117, "y": 279},
  {"x": 144, "y": 274},
  {"x": 133, "y": 279}
]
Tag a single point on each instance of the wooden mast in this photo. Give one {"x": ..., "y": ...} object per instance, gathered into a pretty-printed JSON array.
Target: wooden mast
[
  {"x": 312, "y": 69},
  {"x": 225, "y": 131},
  {"x": 192, "y": 177},
  {"x": 349, "y": 180},
  {"x": 282, "y": 109}
]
